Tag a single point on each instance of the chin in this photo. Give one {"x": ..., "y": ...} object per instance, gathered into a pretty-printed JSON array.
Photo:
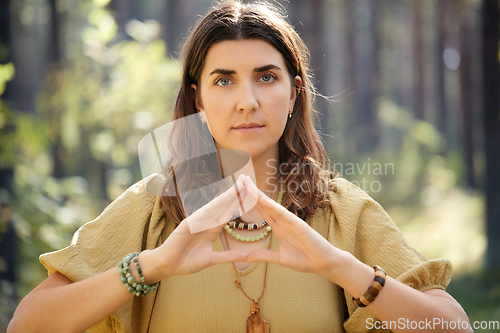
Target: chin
[{"x": 254, "y": 150}]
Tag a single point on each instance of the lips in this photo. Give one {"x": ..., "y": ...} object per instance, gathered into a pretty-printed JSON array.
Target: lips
[
  {"x": 248, "y": 128},
  {"x": 249, "y": 125}
]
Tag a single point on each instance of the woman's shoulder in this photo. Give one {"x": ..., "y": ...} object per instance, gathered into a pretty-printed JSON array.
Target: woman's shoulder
[
  {"x": 140, "y": 192},
  {"x": 138, "y": 199},
  {"x": 126, "y": 216},
  {"x": 351, "y": 205},
  {"x": 341, "y": 190}
]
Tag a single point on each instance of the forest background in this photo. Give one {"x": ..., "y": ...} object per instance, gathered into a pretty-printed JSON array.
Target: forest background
[{"x": 412, "y": 116}]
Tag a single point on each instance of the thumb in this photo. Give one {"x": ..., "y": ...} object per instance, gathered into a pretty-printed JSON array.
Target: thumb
[
  {"x": 263, "y": 255},
  {"x": 229, "y": 256}
]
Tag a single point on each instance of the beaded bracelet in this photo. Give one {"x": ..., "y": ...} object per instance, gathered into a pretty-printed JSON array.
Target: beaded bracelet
[
  {"x": 373, "y": 291},
  {"x": 139, "y": 289}
]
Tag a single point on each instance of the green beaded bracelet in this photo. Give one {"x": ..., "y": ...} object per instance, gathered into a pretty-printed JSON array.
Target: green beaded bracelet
[{"x": 138, "y": 289}]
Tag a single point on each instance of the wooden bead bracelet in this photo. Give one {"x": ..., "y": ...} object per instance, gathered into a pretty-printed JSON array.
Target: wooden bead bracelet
[{"x": 372, "y": 292}]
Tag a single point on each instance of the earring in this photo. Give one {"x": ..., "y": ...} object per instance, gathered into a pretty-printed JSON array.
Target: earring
[{"x": 290, "y": 114}]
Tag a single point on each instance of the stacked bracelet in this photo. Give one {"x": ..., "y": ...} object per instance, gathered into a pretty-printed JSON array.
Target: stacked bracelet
[
  {"x": 377, "y": 285},
  {"x": 139, "y": 289}
]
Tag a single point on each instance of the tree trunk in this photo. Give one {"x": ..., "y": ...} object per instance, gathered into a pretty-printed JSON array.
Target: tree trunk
[
  {"x": 121, "y": 9},
  {"x": 368, "y": 80},
  {"x": 53, "y": 57},
  {"x": 466, "y": 89},
  {"x": 351, "y": 81},
  {"x": 418, "y": 70},
  {"x": 8, "y": 237},
  {"x": 442, "y": 113},
  {"x": 491, "y": 87},
  {"x": 172, "y": 28},
  {"x": 319, "y": 61}
]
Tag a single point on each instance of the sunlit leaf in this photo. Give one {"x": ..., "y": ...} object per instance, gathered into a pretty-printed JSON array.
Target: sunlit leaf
[{"x": 101, "y": 3}]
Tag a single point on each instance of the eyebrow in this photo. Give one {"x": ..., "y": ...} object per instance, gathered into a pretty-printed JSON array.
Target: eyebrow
[{"x": 256, "y": 70}]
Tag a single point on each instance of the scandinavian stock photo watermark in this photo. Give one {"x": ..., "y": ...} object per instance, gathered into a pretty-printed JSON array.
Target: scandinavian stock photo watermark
[
  {"x": 437, "y": 324},
  {"x": 358, "y": 170}
]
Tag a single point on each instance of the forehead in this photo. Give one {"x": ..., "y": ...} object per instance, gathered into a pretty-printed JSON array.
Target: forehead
[{"x": 242, "y": 55}]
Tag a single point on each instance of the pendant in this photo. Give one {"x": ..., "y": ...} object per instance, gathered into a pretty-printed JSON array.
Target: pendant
[{"x": 255, "y": 323}]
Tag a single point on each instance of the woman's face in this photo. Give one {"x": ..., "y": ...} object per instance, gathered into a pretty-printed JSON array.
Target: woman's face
[{"x": 246, "y": 83}]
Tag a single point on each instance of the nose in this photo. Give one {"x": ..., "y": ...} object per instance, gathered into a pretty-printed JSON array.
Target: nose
[{"x": 247, "y": 100}]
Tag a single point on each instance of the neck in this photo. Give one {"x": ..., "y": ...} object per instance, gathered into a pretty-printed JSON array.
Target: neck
[
  {"x": 266, "y": 167},
  {"x": 267, "y": 175}
]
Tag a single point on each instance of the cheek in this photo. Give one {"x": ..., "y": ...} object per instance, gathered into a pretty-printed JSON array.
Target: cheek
[
  {"x": 279, "y": 102},
  {"x": 216, "y": 102}
]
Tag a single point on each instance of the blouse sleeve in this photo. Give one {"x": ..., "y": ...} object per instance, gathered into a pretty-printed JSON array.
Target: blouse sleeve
[
  {"x": 359, "y": 225},
  {"x": 131, "y": 223}
]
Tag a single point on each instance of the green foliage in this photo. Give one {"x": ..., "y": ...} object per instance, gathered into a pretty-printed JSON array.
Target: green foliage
[
  {"x": 478, "y": 293},
  {"x": 418, "y": 182},
  {"x": 6, "y": 74},
  {"x": 425, "y": 199},
  {"x": 78, "y": 151}
]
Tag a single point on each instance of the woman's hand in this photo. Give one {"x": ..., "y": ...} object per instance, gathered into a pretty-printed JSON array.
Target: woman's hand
[
  {"x": 185, "y": 253},
  {"x": 301, "y": 247}
]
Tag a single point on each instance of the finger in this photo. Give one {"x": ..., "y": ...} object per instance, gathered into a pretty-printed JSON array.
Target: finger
[
  {"x": 216, "y": 212},
  {"x": 230, "y": 194},
  {"x": 264, "y": 213},
  {"x": 264, "y": 255},
  {"x": 254, "y": 195},
  {"x": 272, "y": 208},
  {"x": 231, "y": 204},
  {"x": 226, "y": 202},
  {"x": 249, "y": 202},
  {"x": 228, "y": 256},
  {"x": 268, "y": 208}
]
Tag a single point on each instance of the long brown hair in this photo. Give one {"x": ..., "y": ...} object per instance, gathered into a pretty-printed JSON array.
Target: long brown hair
[{"x": 303, "y": 160}]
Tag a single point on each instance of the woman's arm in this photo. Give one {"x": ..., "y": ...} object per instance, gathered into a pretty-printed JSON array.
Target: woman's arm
[
  {"x": 305, "y": 250},
  {"x": 397, "y": 302},
  {"x": 58, "y": 305}
]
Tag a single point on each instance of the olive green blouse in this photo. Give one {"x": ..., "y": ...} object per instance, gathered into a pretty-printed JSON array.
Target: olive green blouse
[{"x": 210, "y": 301}]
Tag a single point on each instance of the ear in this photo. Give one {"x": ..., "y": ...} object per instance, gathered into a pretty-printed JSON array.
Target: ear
[
  {"x": 295, "y": 91},
  {"x": 199, "y": 106}
]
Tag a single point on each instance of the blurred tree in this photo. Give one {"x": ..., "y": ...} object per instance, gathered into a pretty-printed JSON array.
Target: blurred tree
[
  {"x": 362, "y": 39},
  {"x": 462, "y": 10},
  {"x": 419, "y": 61},
  {"x": 121, "y": 11},
  {"x": 173, "y": 24},
  {"x": 53, "y": 57},
  {"x": 99, "y": 98},
  {"x": 368, "y": 80},
  {"x": 312, "y": 16},
  {"x": 9, "y": 259},
  {"x": 442, "y": 111},
  {"x": 491, "y": 86},
  {"x": 315, "y": 34},
  {"x": 350, "y": 29}
]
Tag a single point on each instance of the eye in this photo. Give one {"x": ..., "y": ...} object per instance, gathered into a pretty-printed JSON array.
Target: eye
[
  {"x": 223, "y": 81},
  {"x": 268, "y": 77}
]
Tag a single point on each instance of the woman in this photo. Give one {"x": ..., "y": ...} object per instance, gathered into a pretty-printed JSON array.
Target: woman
[{"x": 245, "y": 73}]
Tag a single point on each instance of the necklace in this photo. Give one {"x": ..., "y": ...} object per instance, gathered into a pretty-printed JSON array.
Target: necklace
[
  {"x": 251, "y": 226},
  {"x": 255, "y": 323}
]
